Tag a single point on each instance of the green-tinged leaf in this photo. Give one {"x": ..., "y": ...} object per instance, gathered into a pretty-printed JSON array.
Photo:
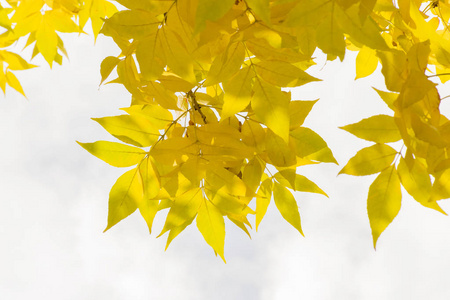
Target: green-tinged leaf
[
  {"x": 417, "y": 183},
  {"x": 279, "y": 152},
  {"x": 115, "y": 154},
  {"x": 378, "y": 129},
  {"x": 441, "y": 186},
  {"x": 298, "y": 111},
  {"x": 135, "y": 130},
  {"x": 107, "y": 66},
  {"x": 330, "y": 38},
  {"x": 366, "y": 62},
  {"x": 211, "y": 224},
  {"x": 184, "y": 208},
  {"x": 393, "y": 68},
  {"x": 383, "y": 201},
  {"x": 271, "y": 106},
  {"x": 263, "y": 200},
  {"x": 150, "y": 56},
  {"x": 370, "y": 160},
  {"x": 289, "y": 178},
  {"x": 282, "y": 74},
  {"x": 226, "y": 64},
  {"x": 310, "y": 145},
  {"x": 125, "y": 196},
  {"x": 238, "y": 92},
  {"x": 210, "y": 10},
  {"x": 261, "y": 9},
  {"x": 286, "y": 204}
]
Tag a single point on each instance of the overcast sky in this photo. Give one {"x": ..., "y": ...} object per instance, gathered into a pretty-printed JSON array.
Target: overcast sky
[{"x": 54, "y": 198}]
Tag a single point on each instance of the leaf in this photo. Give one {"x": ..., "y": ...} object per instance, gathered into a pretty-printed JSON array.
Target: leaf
[
  {"x": 282, "y": 74},
  {"x": 210, "y": 10},
  {"x": 151, "y": 187},
  {"x": 151, "y": 58},
  {"x": 238, "y": 92},
  {"x": 263, "y": 200},
  {"x": 47, "y": 40},
  {"x": 251, "y": 175},
  {"x": 124, "y": 197},
  {"x": 13, "y": 82},
  {"x": 388, "y": 97},
  {"x": 370, "y": 160},
  {"x": 280, "y": 153},
  {"x": 330, "y": 38},
  {"x": 417, "y": 183},
  {"x": 211, "y": 224},
  {"x": 298, "y": 111},
  {"x": 15, "y": 61},
  {"x": 310, "y": 145},
  {"x": 393, "y": 68},
  {"x": 379, "y": 129},
  {"x": 366, "y": 62},
  {"x": 441, "y": 186},
  {"x": 115, "y": 154},
  {"x": 271, "y": 106},
  {"x": 157, "y": 115},
  {"x": 134, "y": 130},
  {"x": 383, "y": 201},
  {"x": 132, "y": 24},
  {"x": 261, "y": 9},
  {"x": 107, "y": 66},
  {"x": 289, "y": 178},
  {"x": 226, "y": 64},
  {"x": 286, "y": 204},
  {"x": 184, "y": 208}
]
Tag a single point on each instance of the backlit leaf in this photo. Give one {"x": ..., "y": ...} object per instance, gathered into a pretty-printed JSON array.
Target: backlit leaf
[
  {"x": 286, "y": 204},
  {"x": 383, "y": 201},
  {"x": 370, "y": 160},
  {"x": 379, "y": 129},
  {"x": 211, "y": 224},
  {"x": 115, "y": 154},
  {"x": 283, "y": 74}
]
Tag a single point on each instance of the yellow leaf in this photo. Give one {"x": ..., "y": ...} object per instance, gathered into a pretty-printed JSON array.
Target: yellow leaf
[
  {"x": 279, "y": 152},
  {"x": 383, "y": 201},
  {"x": 134, "y": 130},
  {"x": 211, "y": 224},
  {"x": 271, "y": 106},
  {"x": 330, "y": 38},
  {"x": 174, "y": 232},
  {"x": 160, "y": 95},
  {"x": 261, "y": 9},
  {"x": 310, "y": 145},
  {"x": 151, "y": 187},
  {"x": 286, "y": 204},
  {"x": 426, "y": 132},
  {"x": 366, "y": 62},
  {"x": 282, "y": 74},
  {"x": 184, "y": 208},
  {"x": 441, "y": 186},
  {"x": 298, "y": 111},
  {"x": 263, "y": 50},
  {"x": 289, "y": 178},
  {"x": 47, "y": 40},
  {"x": 417, "y": 183},
  {"x": 238, "y": 92},
  {"x": 388, "y": 97},
  {"x": 107, "y": 66},
  {"x": 13, "y": 82},
  {"x": 393, "y": 68},
  {"x": 124, "y": 197},
  {"x": 157, "y": 115},
  {"x": 379, "y": 129},
  {"x": 210, "y": 10},
  {"x": 132, "y": 24},
  {"x": 115, "y": 154},
  {"x": 251, "y": 175},
  {"x": 309, "y": 12},
  {"x": 15, "y": 61},
  {"x": 61, "y": 21},
  {"x": 226, "y": 64},
  {"x": 150, "y": 55},
  {"x": 263, "y": 200},
  {"x": 370, "y": 160}
]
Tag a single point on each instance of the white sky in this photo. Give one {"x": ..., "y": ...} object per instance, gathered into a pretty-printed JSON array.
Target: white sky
[{"x": 54, "y": 199}]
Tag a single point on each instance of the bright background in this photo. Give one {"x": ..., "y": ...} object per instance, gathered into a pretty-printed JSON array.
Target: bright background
[{"x": 54, "y": 198}]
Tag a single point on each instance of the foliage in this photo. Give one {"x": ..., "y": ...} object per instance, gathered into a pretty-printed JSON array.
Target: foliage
[{"x": 212, "y": 126}]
